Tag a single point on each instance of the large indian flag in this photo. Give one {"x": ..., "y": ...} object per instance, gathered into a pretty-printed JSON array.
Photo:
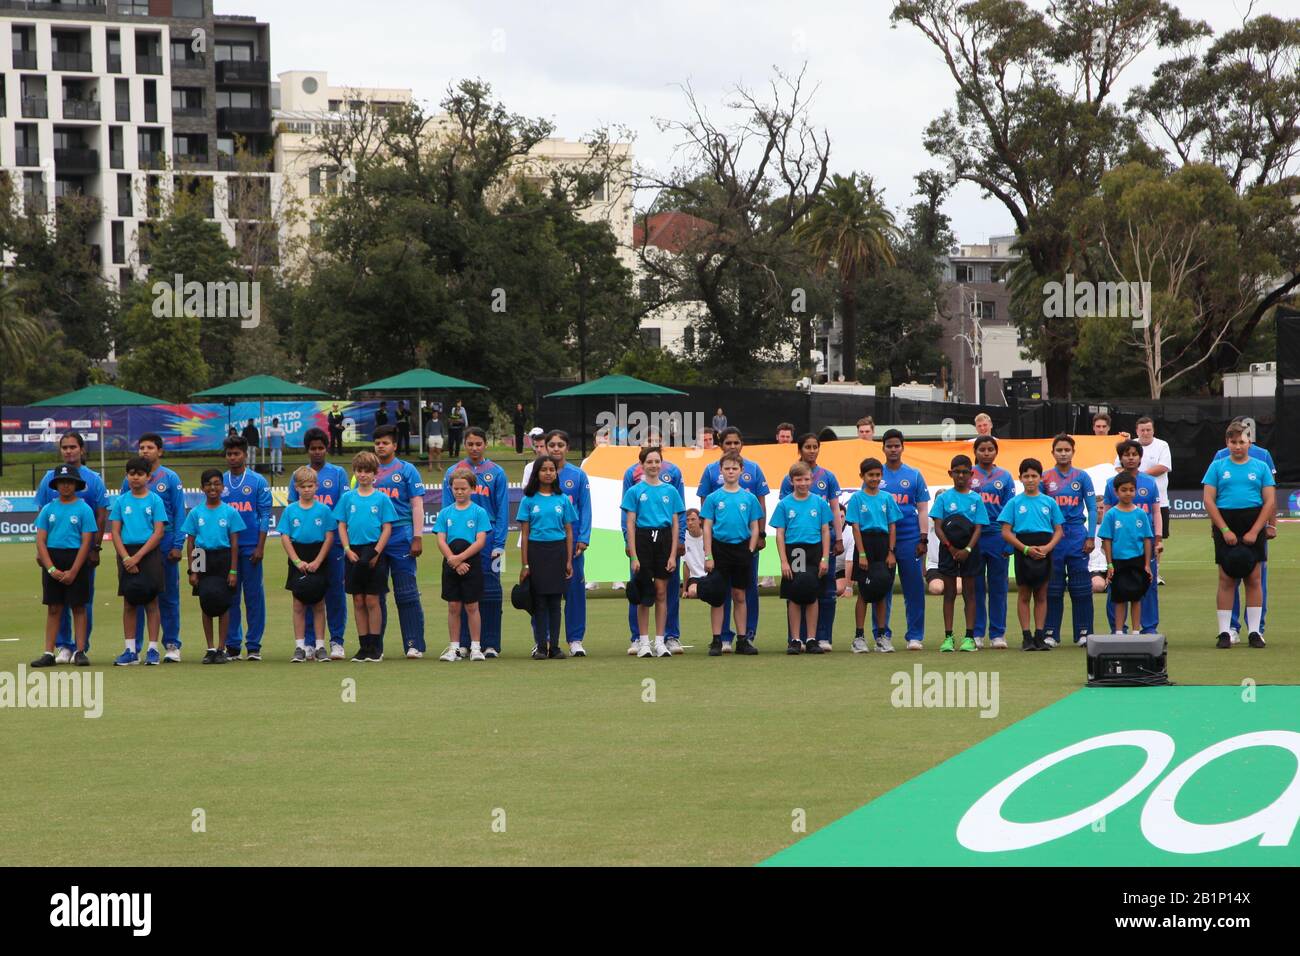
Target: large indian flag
[{"x": 607, "y": 561}]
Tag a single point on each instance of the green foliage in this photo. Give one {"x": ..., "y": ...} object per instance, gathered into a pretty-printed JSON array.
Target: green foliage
[
  {"x": 163, "y": 354},
  {"x": 658, "y": 366}
]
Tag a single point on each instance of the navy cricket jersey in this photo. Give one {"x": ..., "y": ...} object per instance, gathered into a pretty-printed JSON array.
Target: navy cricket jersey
[
  {"x": 802, "y": 520},
  {"x": 1239, "y": 484},
  {"x": 1126, "y": 531},
  {"x": 908, "y": 487},
  {"x": 1030, "y": 513},
  {"x": 731, "y": 513},
  {"x": 250, "y": 495},
  {"x": 995, "y": 486},
  {"x": 1074, "y": 495},
  {"x": 400, "y": 481},
  {"x": 653, "y": 505}
]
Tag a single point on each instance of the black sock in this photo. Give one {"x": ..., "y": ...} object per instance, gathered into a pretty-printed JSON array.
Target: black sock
[
  {"x": 970, "y": 634},
  {"x": 1028, "y": 636},
  {"x": 857, "y": 632},
  {"x": 948, "y": 634}
]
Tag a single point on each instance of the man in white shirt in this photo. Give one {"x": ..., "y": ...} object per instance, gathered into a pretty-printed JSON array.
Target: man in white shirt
[{"x": 1158, "y": 462}]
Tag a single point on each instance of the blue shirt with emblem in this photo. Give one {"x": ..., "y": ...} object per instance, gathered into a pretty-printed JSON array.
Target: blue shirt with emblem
[
  {"x": 909, "y": 489},
  {"x": 94, "y": 494},
  {"x": 463, "y": 524},
  {"x": 400, "y": 481},
  {"x": 1254, "y": 451},
  {"x": 1074, "y": 495},
  {"x": 138, "y": 516},
  {"x": 574, "y": 483},
  {"x": 1126, "y": 531},
  {"x": 364, "y": 515},
  {"x": 308, "y": 525},
  {"x": 802, "y": 520},
  {"x": 547, "y": 516},
  {"x": 1030, "y": 513},
  {"x": 731, "y": 512},
  {"x": 1147, "y": 497},
  {"x": 653, "y": 505},
  {"x": 331, "y": 482},
  {"x": 950, "y": 501},
  {"x": 669, "y": 474},
  {"x": 824, "y": 485},
  {"x": 751, "y": 480},
  {"x": 166, "y": 484},
  {"x": 64, "y": 524},
  {"x": 1238, "y": 484},
  {"x": 872, "y": 512},
  {"x": 491, "y": 492},
  {"x": 212, "y": 527},
  {"x": 250, "y": 495}
]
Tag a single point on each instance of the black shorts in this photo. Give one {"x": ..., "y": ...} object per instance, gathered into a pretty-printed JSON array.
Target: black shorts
[
  {"x": 735, "y": 562},
  {"x": 877, "y": 545},
  {"x": 152, "y": 565},
  {"x": 360, "y": 578},
  {"x": 216, "y": 564},
  {"x": 1031, "y": 538},
  {"x": 305, "y": 552},
  {"x": 1164, "y": 522},
  {"x": 75, "y": 594},
  {"x": 653, "y": 545},
  {"x": 802, "y": 557},
  {"x": 466, "y": 588},
  {"x": 1240, "y": 521},
  {"x": 972, "y": 566}
]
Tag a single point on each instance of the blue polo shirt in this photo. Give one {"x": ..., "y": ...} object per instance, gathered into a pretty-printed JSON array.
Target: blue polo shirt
[
  {"x": 212, "y": 527},
  {"x": 1030, "y": 513},
  {"x": 547, "y": 516},
  {"x": 751, "y": 480},
  {"x": 250, "y": 495},
  {"x": 400, "y": 481},
  {"x": 653, "y": 505},
  {"x": 166, "y": 484},
  {"x": 1126, "y": 531},
  {"x": 365, "y": 515},
  {"x": 731, "y": 513},
  {"x": 1074, "y": 495},
  {"x": 950, "y": 501},
  {"x": 802, "y": 520},
  {"x": 331, "y": 482},
  {"x": 872, "y": 512},
  {"x": 64, "y": 524},
  {"x": 94, "y": 494},
  {"x": 138, "y": 516},
  {"x": 1254, "y": 451},
  {"x": 824, "y": 485},
  {"x": 463, "y": 524},
  {"x": 491, "y": 492},
  {"x": 908, "y": 487},
  {"x": 1238, "y": 484},
  {"x": 669, "y": 474},
  {"x": 1147, "y": 497},
  {"x": 308, "y": 525}
]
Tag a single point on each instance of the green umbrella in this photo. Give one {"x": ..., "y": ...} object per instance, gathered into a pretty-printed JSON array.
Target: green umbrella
[
  {"x": 419, "y": 380},
  {"x": 261, "y": 387},
  {"x": 615, "y": 385},
  {"x": 101, "y": 397}
]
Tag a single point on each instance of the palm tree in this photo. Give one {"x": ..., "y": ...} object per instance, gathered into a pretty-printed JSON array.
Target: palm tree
[
  {"x": 850, "y": 231},
  {"x": 20, "y": 332}
]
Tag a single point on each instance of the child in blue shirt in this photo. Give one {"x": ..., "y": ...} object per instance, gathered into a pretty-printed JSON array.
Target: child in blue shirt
[
  {"x": 546, "y": 517},
  {"x": 139, "y": 518},
  {"x": 733, "y": 518},
  {"x": 652, "y": 514},
  {"x": 64, "y": 531},
  {"x": 959, "y": 514},
  {"x": 307, "y": 536},
  {"x": 211, "y": 539},
  {"x": 1032, "y": 525},
  {"x": 463, "y": 528},
  {"x": 1126, "y": 535},
  {"x": 365, "y": 522},
  {"x": 803, "y": 540},
  {"x": 873, "y": 515}
]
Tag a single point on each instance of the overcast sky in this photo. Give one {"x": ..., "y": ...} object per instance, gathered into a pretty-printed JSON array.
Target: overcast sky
[{"x": 583, "y": 64}]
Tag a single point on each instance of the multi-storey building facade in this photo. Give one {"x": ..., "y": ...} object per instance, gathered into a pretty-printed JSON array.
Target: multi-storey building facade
[{"x": 125, "y": 100}]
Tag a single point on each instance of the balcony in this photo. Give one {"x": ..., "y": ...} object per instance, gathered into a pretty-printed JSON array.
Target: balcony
[
  {"x": 81, "y": 110},
  {"x": 191, "y": 159},
  {"x": 152, "y": 65},
  {"x": 155, "y": 159},
  {"x": 24, "y": 59},
  {"x": 123, "y": 111},
  {"x": 189, "y": 112},
  {"x": 244, "y": 120},
  {"x": 116, "y": 159},
  {"x": 36, "y": 107},
  {"x": 115, "y": 63},
  {"x": 27, "y": 157},
  {"x": 70, "y": 61},
  {"x": 244, "y": 71},
  {"x": 195, "y": 61},
  {"x": 77, "y": 160}
]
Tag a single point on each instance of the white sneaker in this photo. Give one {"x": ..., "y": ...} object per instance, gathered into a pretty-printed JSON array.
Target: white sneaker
[
  {"x": 825, "y": 646},
  {"x": 661, "y": 649},
  {"x": 643, "y": 649},
  {"x": 979, "y": 643},
  {"x": 885, "y": 645},
  {"x": 491, "y": 652},
  {"x": 914, "y": 646},
  {"x": 1234, "y": 637},
  {"x": 414, "y": 653},
  {"x": 860, "y": 646},
  {"x": 337, "y": 653},
  {"x": 64, "y": 656},
  {"x": 618, "y": 585},
  {"x": 450, "y": 655},
  {"x": 767, "y": 582},
  {"x": 577, "y": 650},
  {"x": 998, "y": 643},
  {"x": 1050, "y": 641},
  {"x": 632, "y": 648},
  {"x": 173, "y": 655},
  {"x": 674, "y": 645},
  {"x": 476, "y": 654}
]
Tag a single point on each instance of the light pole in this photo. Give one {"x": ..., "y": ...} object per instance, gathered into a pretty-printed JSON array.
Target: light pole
[{"x": 975, "y": 341}]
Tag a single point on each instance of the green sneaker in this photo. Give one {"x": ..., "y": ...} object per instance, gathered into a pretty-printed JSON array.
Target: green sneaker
[
  {"x": 946, "y": 645},
  {"x": 968, "y": 644}
]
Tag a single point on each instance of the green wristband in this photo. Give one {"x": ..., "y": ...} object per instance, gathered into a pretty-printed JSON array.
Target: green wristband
[{"x": 1225, "y": 529}]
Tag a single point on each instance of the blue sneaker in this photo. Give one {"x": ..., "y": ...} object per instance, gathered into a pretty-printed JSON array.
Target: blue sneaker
[
  {"x": 127, "y": 658},
  {"x": 151, "y": 657}
]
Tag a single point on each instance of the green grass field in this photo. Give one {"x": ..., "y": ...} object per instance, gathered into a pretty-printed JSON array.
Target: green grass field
[{"x": 585, "y": 770}]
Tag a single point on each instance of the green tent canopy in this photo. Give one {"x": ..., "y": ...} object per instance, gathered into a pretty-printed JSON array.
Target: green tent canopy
[
  {"x": 261, "y": 386},
  {"x": 614, "y": 385},
  {"x": 100, "y": 397}
]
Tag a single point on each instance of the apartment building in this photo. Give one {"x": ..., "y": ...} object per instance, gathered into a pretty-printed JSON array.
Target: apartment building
[{"x": 126, "y": 100}]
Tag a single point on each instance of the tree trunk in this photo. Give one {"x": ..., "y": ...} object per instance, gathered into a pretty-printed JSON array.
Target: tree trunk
[{"x": 1057, "y": 370}]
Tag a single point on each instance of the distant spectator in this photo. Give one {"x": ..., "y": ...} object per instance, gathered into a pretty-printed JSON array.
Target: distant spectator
[
  {"x": 275, "y": 445},
  {"x": 983, "y": 425},
  {"x": 519, "y": 419},
  {"x": 254, "y": 440},
  {"x": 334, "y": 421},
  {"x": 784, "y": 434},
  {"x": 457, "y": 422},
  {"x": 381, "y": 415},
  {"x": 403, "y": 428},
  {"x": 866, "y": 428},
  {"x": 719, "y": 421}
]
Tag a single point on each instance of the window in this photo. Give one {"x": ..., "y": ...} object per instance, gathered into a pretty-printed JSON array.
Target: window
[
  {"x": 232, "y": 50},
  {"x": 125, "y": 204},
  {"x": 987, "y": 312},
  {"x": 336, "y": 106},
  {"x": 650, "y": 337},
  {"x": 238, "y": 99},
  {"x": 190, "y": 9},
  {"x": 650, "y": 289},
  {"x": 965, "y": 273},
  {"x": 296, "y": 127},
  {"x": 688, "y": 338},
  {"x": 598, "y": 194},
  {"x": 133, "y": 8},
  {"x": 189, "y": 144},
  {"x": 187, "y": 98},
  {"x": 323, "y": 179}
]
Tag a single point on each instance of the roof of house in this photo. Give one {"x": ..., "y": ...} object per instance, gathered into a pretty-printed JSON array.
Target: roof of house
[{"x": 670, "y": 231}]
